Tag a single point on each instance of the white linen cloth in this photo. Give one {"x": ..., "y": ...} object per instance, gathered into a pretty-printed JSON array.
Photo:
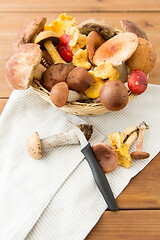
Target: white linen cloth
[{"x": 56, "y": 197}]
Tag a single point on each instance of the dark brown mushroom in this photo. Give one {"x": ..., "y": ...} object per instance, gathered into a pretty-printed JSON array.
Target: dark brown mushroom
[{"x": 106, "y": 156}]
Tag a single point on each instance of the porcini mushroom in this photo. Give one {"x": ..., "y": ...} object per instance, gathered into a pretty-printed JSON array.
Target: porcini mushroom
[
  {"x": 54, "y": 74},
  {"x": 106, "y": 156},
  {"x": 50, "y": 39},
  {"x": 59, "y": 94},
  {"x": 29, "y": 31},
  {"x": 79, "y": 79},
  {"x": 35, "y": 145},
  {"x": 24, "y": 66},
  {"x": 139, "y": 154}
]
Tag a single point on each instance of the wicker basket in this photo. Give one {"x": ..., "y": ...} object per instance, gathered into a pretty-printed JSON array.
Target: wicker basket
[{"x": 76, "y": 108}]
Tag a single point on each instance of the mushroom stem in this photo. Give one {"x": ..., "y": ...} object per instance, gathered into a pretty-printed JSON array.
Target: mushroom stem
[
  {"x": 53, "y": 52},
  {"x": 35, "y": 145},
  {"x": 139, "y": 154},
  {"x": 131, "y": 139},
  {"x": 75, "y": 96},
  {"x": 62, "y": 139},
  {"x": 37, "y": 74}
]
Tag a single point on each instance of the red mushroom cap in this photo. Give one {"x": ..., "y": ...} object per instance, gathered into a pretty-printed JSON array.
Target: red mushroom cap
[
  {"x": 140, "y": 155},
  {"x": 20, "y": 67}
]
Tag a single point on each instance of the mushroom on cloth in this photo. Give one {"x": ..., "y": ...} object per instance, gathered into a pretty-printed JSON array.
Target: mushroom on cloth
[
  {"x": 106, "y": 156},
  {"x": 24, "y": 65}
]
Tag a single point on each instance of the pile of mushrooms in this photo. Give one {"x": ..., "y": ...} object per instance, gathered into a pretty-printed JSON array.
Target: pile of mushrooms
[{"x": 87, "y": 77}]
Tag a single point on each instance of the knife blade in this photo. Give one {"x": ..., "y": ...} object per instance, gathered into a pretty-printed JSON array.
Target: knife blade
[{"x": 97, "y": 171}]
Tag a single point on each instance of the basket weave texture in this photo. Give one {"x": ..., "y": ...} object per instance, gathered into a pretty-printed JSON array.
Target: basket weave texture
[{"x": 76, "y": 108}]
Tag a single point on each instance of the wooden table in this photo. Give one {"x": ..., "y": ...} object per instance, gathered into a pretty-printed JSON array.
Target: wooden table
[{"x": 139, "y": 203}]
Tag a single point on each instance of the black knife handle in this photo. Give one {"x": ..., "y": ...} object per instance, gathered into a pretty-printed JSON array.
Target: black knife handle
[{"x": 100, "y": 177}]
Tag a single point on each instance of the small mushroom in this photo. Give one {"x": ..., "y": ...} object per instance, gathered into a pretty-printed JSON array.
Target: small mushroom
[
  {"x": 50, "y": 39},
  {"x": 79, "y": 79},
  {"x": 54, "y": 74},
  {"x": 59, "y": 94},
  {"x": 35, "y": 145},
  {"x": 114, "y": 95},
  {"x": 106, "y": 156},
  {"x": 117, "y": 49},
  {"x": 134, "y": 28},
  {"x": 95, "y": 40},
  {"x": 24, "y": 66},
  {"x": 139, "y": 154},
  {"x": 29, "y": 31}
]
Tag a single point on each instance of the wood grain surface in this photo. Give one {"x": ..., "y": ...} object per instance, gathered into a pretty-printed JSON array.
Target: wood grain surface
[{"x": 139, "y": 203}]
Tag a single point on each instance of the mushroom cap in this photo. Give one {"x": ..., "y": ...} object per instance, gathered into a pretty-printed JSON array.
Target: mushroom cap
[
  {"x": 139, "y": 155},
  {"x": 34, "y": 146},
  {"x": 114, "y": 95},
  {"x": 143, "y": 58},
  {"x": 27, "y": 33},
  {"x": 20, "y": 67},
  {"x": 47, "y": 36},
  {"x": 134, "y": 28},
  {"x": 105, "y": 29},
  {"x": 54, "y": 74},
  {"x": 95, "y": 40},
  {"x": 117, "y": 49},
  {"x": 106, "y": 156},
  {"x": 59, "y": 94},
  {"x": 79, "y": 79}
]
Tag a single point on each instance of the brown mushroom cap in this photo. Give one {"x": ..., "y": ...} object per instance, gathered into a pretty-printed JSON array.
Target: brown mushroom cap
[
  {"x": 114, "y": 95},
  {"x": 95, "y": 40},
  {"x": 59, "y": 94},
  {"x": 54, "y": 74},
  {"x": 79, "y": 79},
  {"x": 20, "y": 67},
  {"x": 143, "y": 58},
  {"x": 140, "y": 155},
  {"x": 106, "y": 156},
  {"x": 134, "y": 28},
  {"x": 27, "y": 33},
  {"x": 34, "y": 146},
  {"x": 47, "y": 36}
]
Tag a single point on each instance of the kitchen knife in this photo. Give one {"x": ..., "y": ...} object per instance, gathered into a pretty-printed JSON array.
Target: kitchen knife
[{"x": 97, "y": 171}]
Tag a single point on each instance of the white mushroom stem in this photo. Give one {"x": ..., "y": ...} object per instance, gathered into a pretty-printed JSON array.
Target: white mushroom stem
[
  {"x": 65, "y": 138},
  {"x": 75, "y": 96},
  {"x": 37, "y": 74},
  {"x": 128, "y": 131}
]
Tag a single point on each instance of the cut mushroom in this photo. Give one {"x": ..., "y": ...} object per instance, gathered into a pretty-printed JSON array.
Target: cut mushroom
[
  {"x": 28, "y": 32},
  {"x": 24, "y": 66},
  {"x": 50, "y": 39},
  {"x": 35, "y": 145},
  {"x": 106, "y": 156},
  {"x": 139, "y": 154},
  {"x": 134, "y": 28},
  {"x": 117, "y": 49}
]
